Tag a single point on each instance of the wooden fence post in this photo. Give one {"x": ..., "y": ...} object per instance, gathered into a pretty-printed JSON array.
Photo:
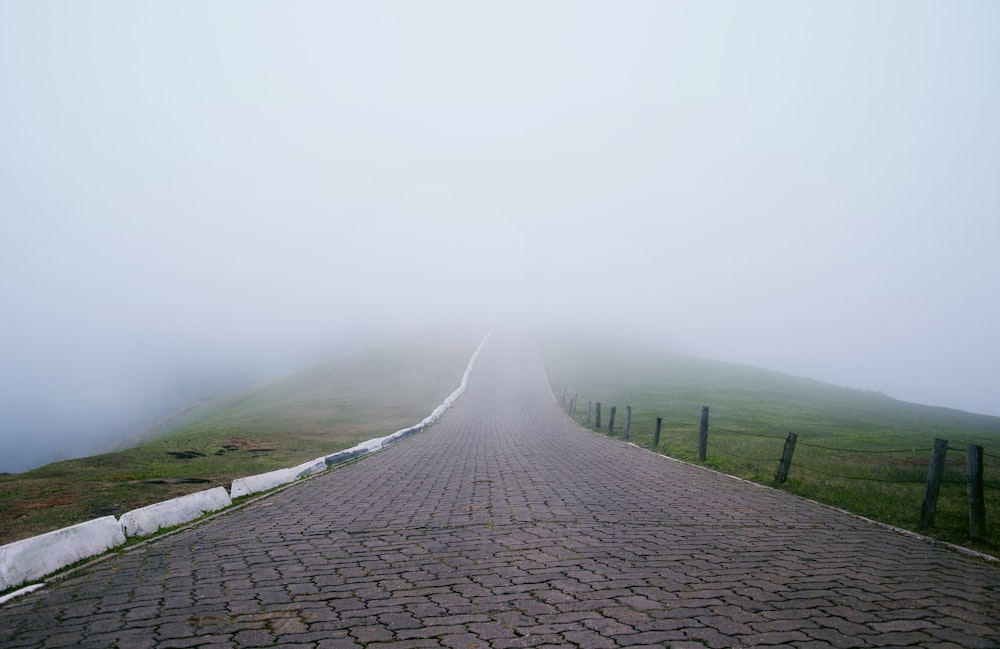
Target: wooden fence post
[
  {"x": 589, "y": 406},
  {"x": 656, "y": 432},
  {"x": 786, "y": 458},
  {"x": 974, "y": 485},
  {"x": 573, "y": 402},
  {"x": 611, "y": 421},
  {"x": 597, "y": 416},
  {"x": 934, "y": 475},
  {"x": 628, "y": 421},
  {"x": 703, "y": 434}
]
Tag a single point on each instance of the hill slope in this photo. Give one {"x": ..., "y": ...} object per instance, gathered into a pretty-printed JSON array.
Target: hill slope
[{"x": 859, "y": 450}]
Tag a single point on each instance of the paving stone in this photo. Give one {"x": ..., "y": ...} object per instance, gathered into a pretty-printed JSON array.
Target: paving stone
[
  {"x": 774, "y": 638},
  {"x": 199, "y": 641},
  {"x": 253, "y": 638},
  {"x": 463, "y": 641},
  {"x": 337, "y": 643},
  {"x": 129, "y": 640},
  {"x": 835, "y": 639},
  {"x": 589, "y": 640},
  {"x": 403, "y": 644},
  {"x": 521, "y": 642},
  {"x": 366, "y": 634},
  {"x": 506, "y": 525}
]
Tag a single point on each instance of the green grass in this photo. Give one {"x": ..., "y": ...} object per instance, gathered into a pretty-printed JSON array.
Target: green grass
[
  {"x": 881, "y": 446},
  {"x": 358, "y": 396}
]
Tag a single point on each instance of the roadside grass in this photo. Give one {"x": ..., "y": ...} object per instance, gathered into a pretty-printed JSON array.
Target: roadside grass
[
  {"x": 326, "y": 408},
  {"x": 857, "y": 450}
]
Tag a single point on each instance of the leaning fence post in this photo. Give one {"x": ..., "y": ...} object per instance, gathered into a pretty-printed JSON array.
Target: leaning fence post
[
  {"x": 589, "y": 405},
  {"x": 974, "y": 484},
  {"x": 611, "y": 421},
  {"x": 786, "y": 458},
  {"x": 934, "y": 475},
  {"x": 656, "y": 432},
  {"x": 628, "y": 421},
  {"x": 703, "y": 434},
  {"x": 597, "y": 416}
]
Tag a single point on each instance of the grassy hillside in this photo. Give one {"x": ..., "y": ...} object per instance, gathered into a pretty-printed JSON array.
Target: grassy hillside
[
  {"x": 858, "y": 450},
  {"x": 326, "y": 408}
]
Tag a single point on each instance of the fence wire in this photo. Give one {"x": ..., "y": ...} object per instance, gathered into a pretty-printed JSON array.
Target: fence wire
[
  {"x": 672, "y": 428},
  {"x": 851, "y": 450},
  {"x": 744, "y": 433},
  {"x": 841, "y": 476}
]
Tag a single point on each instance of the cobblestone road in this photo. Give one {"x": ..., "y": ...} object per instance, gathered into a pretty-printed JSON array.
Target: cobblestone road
[{"x": 508, "y": 526}]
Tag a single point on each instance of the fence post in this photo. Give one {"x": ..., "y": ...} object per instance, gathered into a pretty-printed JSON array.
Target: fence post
[
  {"x": 611, "y": 421},
  {"x": 703, "y": 434},
  {"x": 934, "y": 475},
  {"x": 628, "y": 420},
  {"x": 656, "y": 432},
  {"x": 974, "y": 485},
  {"x": 589, "y": 405},
  {"x": 564, "y": 397},
  {"x": 786, "y": 458},
  {"x": 573, "y": 402},
  {"x": 597, "y": 416}
]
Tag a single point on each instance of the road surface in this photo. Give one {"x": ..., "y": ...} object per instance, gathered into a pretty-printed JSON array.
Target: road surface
[{"x": 507, "y": 525}]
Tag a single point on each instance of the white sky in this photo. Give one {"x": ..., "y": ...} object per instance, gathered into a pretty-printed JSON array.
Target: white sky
[{"x": 812, "y": 187}]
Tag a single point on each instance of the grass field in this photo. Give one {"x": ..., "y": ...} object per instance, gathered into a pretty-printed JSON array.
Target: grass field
[
  {"x": 326, "y": 408},
  {"x": 857, "y": 450}
]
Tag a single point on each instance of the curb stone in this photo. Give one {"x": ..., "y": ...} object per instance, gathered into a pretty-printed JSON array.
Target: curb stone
[
  {"x": 148, "y": 520},
  {"x": 35, "y": 557}
]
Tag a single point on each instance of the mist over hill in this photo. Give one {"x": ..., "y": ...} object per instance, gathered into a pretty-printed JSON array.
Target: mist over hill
[
  {"x": 158, "y": 403},
  {"x": 67, "y": 410}
]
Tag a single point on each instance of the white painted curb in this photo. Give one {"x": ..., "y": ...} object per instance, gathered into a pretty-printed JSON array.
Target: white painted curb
[
  {"x": 264, "y": 481},
  {"x": 147, "y": 520},
  {"x": 271, "y": 479},
  {"x": 19, "y": 592},
  {"x": 37, "y": 556},
  {"x": 440, "y": 410}
]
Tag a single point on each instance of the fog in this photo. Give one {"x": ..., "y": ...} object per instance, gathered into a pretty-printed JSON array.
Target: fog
[{"x": 197, "y": 195}]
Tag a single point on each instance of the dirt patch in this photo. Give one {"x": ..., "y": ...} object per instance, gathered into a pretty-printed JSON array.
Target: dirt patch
[
  {"x": 31, "y": 507},
  {"x": 237, "y": 444},
  {"x": 184, "y": 455},
  {"x": 45, "y": 503}
]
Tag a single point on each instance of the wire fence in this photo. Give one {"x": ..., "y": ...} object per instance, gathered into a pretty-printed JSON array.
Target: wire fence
[{"x": 815, "y": 465}]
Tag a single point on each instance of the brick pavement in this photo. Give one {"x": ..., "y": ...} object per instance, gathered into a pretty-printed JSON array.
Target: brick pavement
[{"x": 506, "y": 525}]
